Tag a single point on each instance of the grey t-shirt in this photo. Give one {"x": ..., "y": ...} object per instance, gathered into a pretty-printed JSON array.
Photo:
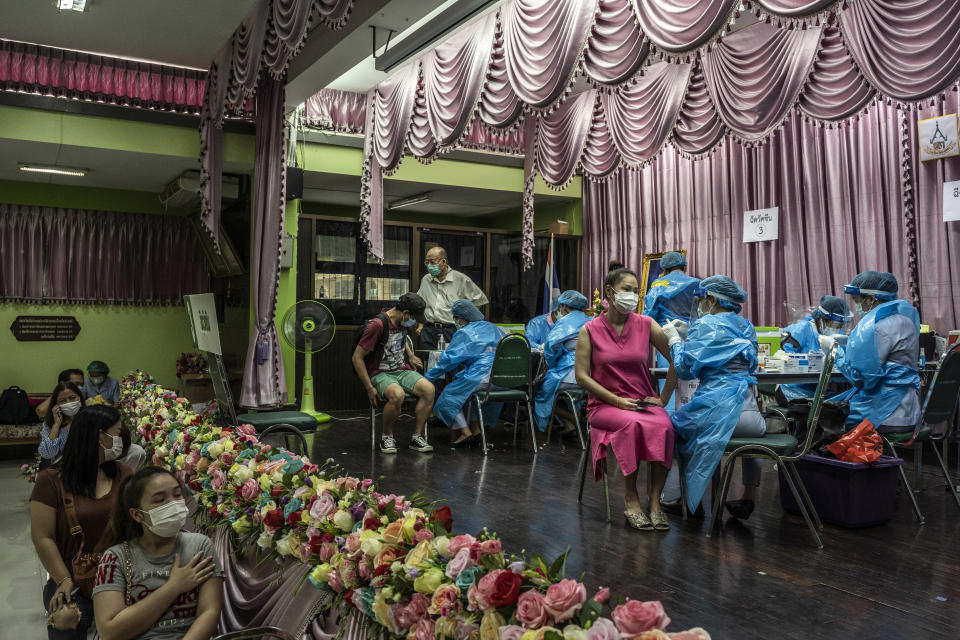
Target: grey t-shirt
[{"x": 149, "y": 573}]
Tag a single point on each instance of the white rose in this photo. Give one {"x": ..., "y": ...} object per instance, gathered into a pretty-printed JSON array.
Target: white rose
[
  {"x": 265, "y": 541},
  {"x": 371, "y": 547},
  {"x": 343, "y": 520},
  {"x": 440, "y": 544},
  {"x": 573, "y": 632},
  {"x": 283, "y": 546}
]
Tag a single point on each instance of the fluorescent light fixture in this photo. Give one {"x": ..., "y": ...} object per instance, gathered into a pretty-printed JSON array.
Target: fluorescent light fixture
[
  {"x": 53, "y": 169},
  {"x": 72, "y": 5},
  {"x": 407, "y": 202}
]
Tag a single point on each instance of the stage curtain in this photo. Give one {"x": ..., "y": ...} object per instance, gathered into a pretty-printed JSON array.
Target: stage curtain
[
  {"x": 616, "y": 47},
  {"x": 682, "y": 25}
]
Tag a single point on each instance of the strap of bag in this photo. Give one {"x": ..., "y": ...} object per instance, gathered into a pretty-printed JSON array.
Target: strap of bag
[
  {"x": 127, "y": 573},
  {"x": 71, "y": 512}
]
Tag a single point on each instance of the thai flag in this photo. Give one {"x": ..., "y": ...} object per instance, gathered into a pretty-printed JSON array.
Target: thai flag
[{"x": 551, "y": 284}]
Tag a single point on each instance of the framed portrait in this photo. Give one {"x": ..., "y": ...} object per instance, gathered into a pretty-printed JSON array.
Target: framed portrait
[{"x": 652, "y": 271}]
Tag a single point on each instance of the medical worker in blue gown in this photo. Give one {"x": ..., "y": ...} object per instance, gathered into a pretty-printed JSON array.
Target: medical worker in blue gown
[
  {"x": 831, "y": 317},
  {"x": 539, "y": 327},
  {"x": 472, "y": 348},
  {"x": 559, "y": 350},
  {"x": 881, "y": 356},
  {"x": 721, "y": 351}
]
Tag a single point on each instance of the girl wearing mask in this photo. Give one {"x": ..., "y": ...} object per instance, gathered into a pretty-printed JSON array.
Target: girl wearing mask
[
  {"x": 67, "y": 402},
  {"x": 156, "y": 581},
  {"x": 612, "y": 364},
  {"x": 82, "y": 488}
]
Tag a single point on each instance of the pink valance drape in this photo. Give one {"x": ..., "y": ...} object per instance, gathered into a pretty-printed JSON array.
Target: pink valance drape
[{"x": 103, "y": 257}]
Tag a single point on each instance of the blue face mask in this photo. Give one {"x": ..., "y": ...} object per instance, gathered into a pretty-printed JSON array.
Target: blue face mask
[{"x": 409, "y": 323}]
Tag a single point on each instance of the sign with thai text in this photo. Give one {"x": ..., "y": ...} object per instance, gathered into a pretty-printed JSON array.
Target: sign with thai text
[
  {"x": 951, "y": 201},
  {"x": 45, "y": 328},
  {"x": 761, "y": 224}
]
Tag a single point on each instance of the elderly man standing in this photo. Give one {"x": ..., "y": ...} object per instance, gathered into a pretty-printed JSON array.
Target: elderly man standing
[{"x": 440, "y": 288}]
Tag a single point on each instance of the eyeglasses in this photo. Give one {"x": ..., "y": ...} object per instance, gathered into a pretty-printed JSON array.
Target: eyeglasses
[{"x": 427, "y": 263}]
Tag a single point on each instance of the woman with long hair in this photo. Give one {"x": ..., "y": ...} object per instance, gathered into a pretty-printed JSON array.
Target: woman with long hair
[
  {"x": 65, "y": 402},
  {"x": 82, "y": 488},
  {"x": 156, "y": 581}
]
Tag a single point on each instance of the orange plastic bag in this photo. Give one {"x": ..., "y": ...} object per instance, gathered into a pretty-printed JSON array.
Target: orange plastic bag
[{"x": 862, "y": 444}]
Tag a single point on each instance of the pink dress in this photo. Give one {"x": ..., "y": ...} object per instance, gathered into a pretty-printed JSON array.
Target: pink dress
[{"x": 621, "y": 364}]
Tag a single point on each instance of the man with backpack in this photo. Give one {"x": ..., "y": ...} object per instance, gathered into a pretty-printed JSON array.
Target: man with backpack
[{"x": 380, "y": 360}]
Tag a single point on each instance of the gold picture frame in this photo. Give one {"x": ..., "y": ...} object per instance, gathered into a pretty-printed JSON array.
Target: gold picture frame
[{"x": 651, "y": 271}]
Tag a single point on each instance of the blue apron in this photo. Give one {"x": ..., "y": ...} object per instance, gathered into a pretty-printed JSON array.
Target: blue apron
[
  {"x": 878, "y": 387},
  {"x": 537, "y": 330},
  {"x": 807, "y": 335},
  {"x": 473, "y": 347},
  {"x": 560, "y": 360},
  {"x": 721, "y": 350},
  {"x": 670, "y": 298}
]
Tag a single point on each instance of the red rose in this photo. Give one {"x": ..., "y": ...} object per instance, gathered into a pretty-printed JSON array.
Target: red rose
[
  {"x": 500, "y": 588},
  {"x": 214, "y": 512},
  {"x": 294, "y": 517},
  {"x": 444, "y": 516},
  {"x": 277, "y": 492},
  {"x": 195, "y": 486},
  {"x": 348, "y": 597},
  {"x": 382, "y": 569},
  {"x": 273, "y": 519},
  {"x": 326, "y": 537},
  {"x": 371, "y": 523}
]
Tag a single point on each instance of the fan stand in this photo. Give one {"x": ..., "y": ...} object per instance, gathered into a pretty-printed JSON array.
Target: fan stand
[{"x": 306, "y": 390}]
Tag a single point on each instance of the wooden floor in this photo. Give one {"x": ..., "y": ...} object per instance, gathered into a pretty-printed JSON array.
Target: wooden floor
[{"x": 761, "y": 579}]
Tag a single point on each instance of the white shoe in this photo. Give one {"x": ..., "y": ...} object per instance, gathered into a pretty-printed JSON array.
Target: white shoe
[
  {"x": 419, "y": 443},
  {"x": 388, "y": 444}
]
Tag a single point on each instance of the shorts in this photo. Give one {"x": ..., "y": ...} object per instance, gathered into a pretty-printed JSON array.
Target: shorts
[{"x": 406, "y": 378}]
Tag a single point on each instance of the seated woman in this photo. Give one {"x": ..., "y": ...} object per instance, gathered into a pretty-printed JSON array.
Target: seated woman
[
  {"x": 613, "y": 366},
  {"x": 473, "y": 346},
  {"x": 881, "y": 356},
  {"x": 559, "y": 351},
  {"x": 831, "y": 317},
  {"x": 156, "y": 581},
  {"x": 90, "y": 476},
  {"x": 539, "y": 327},
  {"x": 66, "y": 402},
  {"x": 100, "y": 384},
  {"x": 67, "y": 375},
  {"x": 721, "y": 351}
]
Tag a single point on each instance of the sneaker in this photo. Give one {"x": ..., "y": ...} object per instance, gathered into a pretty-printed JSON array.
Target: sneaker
[
  {"x": 419, "y": 443},
  {"x": 388, "y": 444}
]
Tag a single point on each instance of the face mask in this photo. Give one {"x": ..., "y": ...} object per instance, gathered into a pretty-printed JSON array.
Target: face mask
[
  {"x": 167, "y": 519},
  {"x": 860, "y": 309},
  {"x": 433, "y": 269},
  {"x": 626, "y": 301},
  {"x": 97, "y": 379},
  {"x": 70, "y": 408},
  {"x": 702, "y": 309},
  {"x": 409, "y": 323},
  {"x": 114, "y": 452}
]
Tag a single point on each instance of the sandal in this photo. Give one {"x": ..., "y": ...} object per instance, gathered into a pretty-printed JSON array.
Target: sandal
[
  {"x": 639, "y": 520},
  {"x": 660, "y": 522}
]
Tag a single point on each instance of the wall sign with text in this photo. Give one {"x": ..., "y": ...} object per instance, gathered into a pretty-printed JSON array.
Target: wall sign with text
[
  {"x": 45, "y": 328},
  {"x": 951, "y": 201},
  {"x": 760, "y": 225}
]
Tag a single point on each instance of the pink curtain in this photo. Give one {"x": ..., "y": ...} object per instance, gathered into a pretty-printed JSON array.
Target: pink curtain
[
  {"x": 682, "y": 25},
  {"x": 336, "y": 110},
  {"x": 104, "y": 257},
  {"x": 30, "y": 68}
]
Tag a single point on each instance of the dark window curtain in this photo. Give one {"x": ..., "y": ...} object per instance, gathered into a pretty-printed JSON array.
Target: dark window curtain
[
  {"x": 105, "y": 257},
  {"x": 517, "y": 295}
]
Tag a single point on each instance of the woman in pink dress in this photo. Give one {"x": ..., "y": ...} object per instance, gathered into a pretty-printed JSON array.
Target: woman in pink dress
[{"x": 626, "y": 414}]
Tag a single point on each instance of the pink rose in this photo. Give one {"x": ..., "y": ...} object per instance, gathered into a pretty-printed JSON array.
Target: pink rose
[
  {"x": 327, "y": 551},
  {"x": 634, "y": 617},
  {"x": 353, "y": 543},
  {"x": 424, "y": 630},
  {"x": 490, "y": 547},
  {"x": 323, "y": 506},
  {"x": 365, "y": 569},
  {"x": 603, "y": 629},
  {"x": 250, "y": 490},
  {"x": 227, "y": 458},
  {"x": 564, "y": 599},
  {"x": 460, "y": 542},
  {"x": 351, "y": 483},
  {"x": 218, "y": 479},
  {"x": 246, "y": 429},
  {"x": 691, "y": 634},
  {"x": 334, "y": 581},
  {"x": 602, "y": 595},
  {"x": 306, "y": 550},
  {"x": 531, "y": 610},
  {"x": 414, "y": 612},
  {"x": 423, "y": 534},
  {"x": 510, "y": 632},
  {"x": 458, "y": 563},
  {"x": 366, "y": 483}
]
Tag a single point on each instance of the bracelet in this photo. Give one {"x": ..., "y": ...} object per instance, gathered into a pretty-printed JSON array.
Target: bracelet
[{"x": 64, "y": 580}]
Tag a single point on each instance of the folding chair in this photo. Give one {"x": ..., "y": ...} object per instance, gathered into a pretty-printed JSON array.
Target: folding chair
[
  {"x": 256, "y": 633},
  {"x": 938, "y": 407},
  {"x": 572, "y": 397},
  {"x": 510, "y": 381},
  {"x": 285, "y": 436},
  {"x": 782, "y": 449}
]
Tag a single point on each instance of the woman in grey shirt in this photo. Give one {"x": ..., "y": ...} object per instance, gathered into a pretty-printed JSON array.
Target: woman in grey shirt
[{"x": 156, "y": 581}]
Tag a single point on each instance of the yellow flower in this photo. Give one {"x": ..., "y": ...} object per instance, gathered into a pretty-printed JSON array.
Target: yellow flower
[
  {"x": 429, "y": 581},
  {"x": 228, "y": 445},
  {"x": 543, "y": 631},
  {"x": 490, "y": 625},
  {"x": 265, "y": 483},
  {"x": 381, "y": 610},
  {"x": 320, "y": 572},
  {"x": 418, "y": 554},
  {"x": 242, "y": 525},
  {"x": 446, "y": 627}
]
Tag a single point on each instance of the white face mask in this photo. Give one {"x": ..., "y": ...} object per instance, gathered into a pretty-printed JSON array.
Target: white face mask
[
  {"x": 70, "y": 408},
  {"x": 114, "y": 452},
  {"x": 167, "y": 519},
  {"x": 860, "y": 309},
  {"x": 626, "y": 301}
]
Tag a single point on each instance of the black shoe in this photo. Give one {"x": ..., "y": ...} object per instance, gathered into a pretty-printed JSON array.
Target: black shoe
[
  {"x": 675, "y": 507},
  {"x": 739, "y": 509},
  {"x": 463, "y": 444}
]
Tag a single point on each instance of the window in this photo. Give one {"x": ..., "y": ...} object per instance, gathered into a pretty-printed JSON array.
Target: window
[
  {"x": 518, "y": 296},
  {"x": 466, "y": 252}
]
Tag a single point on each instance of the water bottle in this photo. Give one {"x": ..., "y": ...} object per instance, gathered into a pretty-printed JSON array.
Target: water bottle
[{"x": 441, "y": 343}]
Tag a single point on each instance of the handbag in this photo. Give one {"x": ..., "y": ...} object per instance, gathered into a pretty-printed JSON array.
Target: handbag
[{"x": 84, "y": 564}]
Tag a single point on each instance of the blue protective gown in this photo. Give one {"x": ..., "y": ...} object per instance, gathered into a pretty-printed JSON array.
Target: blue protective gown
[
  {"x": 538, "y": 329},
  {"x": 879, "y": 385},
  {"x": 670, "y": 297},
  {"x": 804, "y": 332},
  {"x": 473, "y": 347},
  {"x": 559, "y": 359},
  {"x": 721, "y": 351}
]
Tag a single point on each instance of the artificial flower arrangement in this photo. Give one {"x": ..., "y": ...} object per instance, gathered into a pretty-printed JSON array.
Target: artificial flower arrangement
[
  {"x": 98, "y": 399},
  {"x": 29, "y": 470},
  {"x": 191, "y": 363},
  {"x": 392, "y": 559}
]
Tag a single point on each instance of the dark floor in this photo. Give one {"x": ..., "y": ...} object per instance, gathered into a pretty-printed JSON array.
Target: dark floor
[{"x": 764, "y": 579}]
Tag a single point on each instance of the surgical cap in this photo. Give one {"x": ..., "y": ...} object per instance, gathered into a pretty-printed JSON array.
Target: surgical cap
[
  {"x": 573, "y": 299},
  {"x": 555, "y": 304},
  {"x": 877, "y": 281},
  {"x": 673, "y": 260},
  {"x": 728, "y": 293},
  {"x": 98, "y": 366},
  {"x": 466, "y": 310},
  {"x": 832, "y": 305}
]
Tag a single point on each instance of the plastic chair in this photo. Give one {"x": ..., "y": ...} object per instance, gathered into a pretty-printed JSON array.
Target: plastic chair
[
  {"x": 285, "y": 436},
  {"x": 938, "y": 407},
  {"x": 510, "y": 381},
  {"x": 782, "y": 449},
  {"x": 256, "y": 633}
]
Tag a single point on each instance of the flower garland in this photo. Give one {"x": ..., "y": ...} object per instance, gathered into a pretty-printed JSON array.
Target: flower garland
[{"x": 391, "y": 559}]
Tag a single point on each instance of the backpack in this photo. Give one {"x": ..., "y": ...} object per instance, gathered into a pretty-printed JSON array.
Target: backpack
[
  {"x": 382, "y": 340},
  {"x": 15, "y": 406}
]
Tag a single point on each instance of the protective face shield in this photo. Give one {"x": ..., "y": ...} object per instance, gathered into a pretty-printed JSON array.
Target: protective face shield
[
  {"x": 702, "y": 305},
  {"x": 884, "y": 296}
]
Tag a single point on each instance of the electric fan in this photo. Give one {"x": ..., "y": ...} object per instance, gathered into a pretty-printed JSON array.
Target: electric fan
[{"x": 308, "y": 326}]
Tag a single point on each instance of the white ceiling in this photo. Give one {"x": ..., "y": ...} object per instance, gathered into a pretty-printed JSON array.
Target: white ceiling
[{"x": 178, "y": 32}]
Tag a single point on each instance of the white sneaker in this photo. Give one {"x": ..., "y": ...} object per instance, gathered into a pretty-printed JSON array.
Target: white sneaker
[
  {"x": 388, "y": 444},
  {"x": 419, "y": 443}
]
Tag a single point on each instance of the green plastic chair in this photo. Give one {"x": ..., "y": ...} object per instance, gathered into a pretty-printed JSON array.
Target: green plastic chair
[
  {"x": 938, "y": 409},
  {"x": 782, "y": 448},
  {"x": 510, "y": 381}
]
